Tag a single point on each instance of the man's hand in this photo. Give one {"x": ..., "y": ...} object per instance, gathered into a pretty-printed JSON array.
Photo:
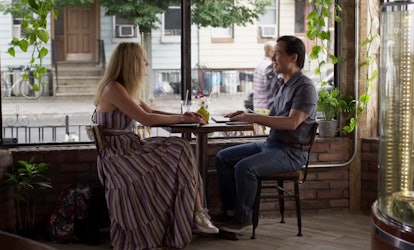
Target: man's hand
[
  {"x": 240, "y": 116},
  {"x": 230, "y": 115}
]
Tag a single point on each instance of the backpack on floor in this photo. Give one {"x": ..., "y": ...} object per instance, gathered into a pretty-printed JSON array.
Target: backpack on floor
[{"x": 70, "y": 221}]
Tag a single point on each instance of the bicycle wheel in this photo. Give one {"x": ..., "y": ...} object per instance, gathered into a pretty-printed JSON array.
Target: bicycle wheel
[
  {"x": 31, "y": 91},
  {"x": 4, "y": 88}
]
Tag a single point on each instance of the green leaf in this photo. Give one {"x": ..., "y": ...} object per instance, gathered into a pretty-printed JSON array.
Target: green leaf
[
  {"x": 315, "y": 52},
  {"x": 365, "y": 42},
  {"x": 364, "y": 99},
  {"x": 11, "y": 52},
  {"x": 373, "y": 75},
  {"x": 43, "y": 35},
  {"x": 23, "y": 45},
  {"x": 43, "y": 52}
]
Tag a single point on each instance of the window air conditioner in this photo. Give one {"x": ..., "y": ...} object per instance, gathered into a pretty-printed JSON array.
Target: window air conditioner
[
  {"x": 268, "y": 30},
  {"x": 126, "y": 31}
]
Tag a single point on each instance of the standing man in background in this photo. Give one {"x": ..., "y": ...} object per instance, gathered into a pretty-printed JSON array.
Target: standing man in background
[{"x": 261, "y": 84}]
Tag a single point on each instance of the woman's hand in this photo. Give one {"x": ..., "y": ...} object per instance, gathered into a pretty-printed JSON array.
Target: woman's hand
[{"x": 194, "y": 117}]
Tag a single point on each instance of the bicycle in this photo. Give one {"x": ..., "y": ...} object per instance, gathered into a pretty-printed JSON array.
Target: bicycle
[{"x": 16, "y": 87}]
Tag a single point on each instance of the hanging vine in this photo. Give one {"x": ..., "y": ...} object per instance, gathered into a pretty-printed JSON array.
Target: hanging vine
[
  {"x": 371, "y": 45},
  {"x": 34, "y": 16},
  {"x": 319, "y": 33}
]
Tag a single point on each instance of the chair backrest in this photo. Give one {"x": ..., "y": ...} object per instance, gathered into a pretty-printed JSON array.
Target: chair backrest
[
  {"x": 313, "y": 131},
  {"x": 95, "y": 131}
]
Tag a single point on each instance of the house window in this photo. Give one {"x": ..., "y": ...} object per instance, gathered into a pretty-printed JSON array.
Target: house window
[
  {"x": 300, "y": 16},
  {"x": 17, "y": 19},
  {"x": 124, "y": 28},
  {"x": 172, "y": 21},
  {"x": 17, "y": 30},
  {"x": 222, "y": 35},
  {"x": 171, "y": 25},
  {"x": 268, "y": 22}
]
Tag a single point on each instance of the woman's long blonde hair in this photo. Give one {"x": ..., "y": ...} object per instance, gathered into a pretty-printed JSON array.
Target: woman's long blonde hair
[{"x": 126, "y": 66}]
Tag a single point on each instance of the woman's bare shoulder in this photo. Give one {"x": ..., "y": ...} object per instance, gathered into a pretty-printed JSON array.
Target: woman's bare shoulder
[{"x": 113, "y": 90}]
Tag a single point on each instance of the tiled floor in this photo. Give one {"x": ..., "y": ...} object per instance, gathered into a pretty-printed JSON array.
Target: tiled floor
[{"x": 320, "y": 232}]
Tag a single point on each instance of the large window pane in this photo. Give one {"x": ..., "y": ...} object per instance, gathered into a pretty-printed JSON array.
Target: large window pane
[{"x": 222, "y": 61}]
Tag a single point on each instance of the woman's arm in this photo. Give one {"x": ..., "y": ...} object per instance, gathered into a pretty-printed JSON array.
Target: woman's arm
[
  {"x": 148, "y": 109},
  {"x": 291, "y": 122},
  {"x": 114, "y": 95}
]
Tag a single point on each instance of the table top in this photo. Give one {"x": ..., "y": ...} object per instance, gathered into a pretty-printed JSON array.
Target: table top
[{"x": 207, "y": 128}]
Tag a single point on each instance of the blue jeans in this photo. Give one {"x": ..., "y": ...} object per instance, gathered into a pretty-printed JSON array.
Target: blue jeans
[{"x": 239, "y": 166}]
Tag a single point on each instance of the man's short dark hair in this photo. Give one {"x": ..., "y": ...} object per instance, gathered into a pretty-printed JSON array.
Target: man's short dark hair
[{"x": 294, "y": 45}]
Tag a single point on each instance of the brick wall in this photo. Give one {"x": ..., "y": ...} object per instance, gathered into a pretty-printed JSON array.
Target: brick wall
[
  {"x": 369, "y": 173},
  {"x": 326, "y": 189},
  {"x": 67, "y": 165},
  {"x": 7, "y": 215}
]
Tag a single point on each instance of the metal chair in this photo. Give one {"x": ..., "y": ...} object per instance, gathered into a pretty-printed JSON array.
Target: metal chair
[{"x": 276, "y": 181}]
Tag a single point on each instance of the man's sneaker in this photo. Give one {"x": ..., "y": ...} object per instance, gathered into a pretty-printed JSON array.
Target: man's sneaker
[
  {"x": 221, "y": 218},
  {"x": 203, "y": 223},
  {"x": 234, "y": 226}
]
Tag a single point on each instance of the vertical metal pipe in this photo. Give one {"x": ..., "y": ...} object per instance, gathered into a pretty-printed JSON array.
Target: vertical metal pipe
[
  {"x": 67, "y": 124},
  {"x": 185, "y": 48}
]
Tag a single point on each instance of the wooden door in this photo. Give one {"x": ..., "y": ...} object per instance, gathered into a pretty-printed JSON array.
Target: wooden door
[{"x": 80, "y": 34}]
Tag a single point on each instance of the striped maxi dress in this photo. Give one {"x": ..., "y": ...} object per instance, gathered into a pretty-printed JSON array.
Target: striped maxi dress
[{"x": 150, "y": 186}]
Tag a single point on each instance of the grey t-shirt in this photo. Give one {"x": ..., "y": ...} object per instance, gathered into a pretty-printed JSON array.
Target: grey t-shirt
[{"x": 297, "y": 93}]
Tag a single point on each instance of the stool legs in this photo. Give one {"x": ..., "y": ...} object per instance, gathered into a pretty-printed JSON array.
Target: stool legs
[
  {"x": 298, "y": 215},
  {"x": 281, "y": 191},
  {"x": 256, "y": 208}
]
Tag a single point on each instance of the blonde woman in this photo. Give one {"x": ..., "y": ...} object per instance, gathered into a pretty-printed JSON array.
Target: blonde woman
[{"x": 154, "y": 191}]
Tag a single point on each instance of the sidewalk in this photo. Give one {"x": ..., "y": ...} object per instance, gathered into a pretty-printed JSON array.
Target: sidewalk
[
  {"x": 49, "y": 119},
  {"x": 84, "y": 106}
]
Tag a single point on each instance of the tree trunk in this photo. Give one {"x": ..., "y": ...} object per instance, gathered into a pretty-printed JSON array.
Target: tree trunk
[{"x": 148, "y": 93}]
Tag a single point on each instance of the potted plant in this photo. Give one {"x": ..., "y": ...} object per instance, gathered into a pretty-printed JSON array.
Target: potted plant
[
  {"x": 26, "y": 179},
  {"x": 318, "y": 31},
  {"x": 329, "y": 103}
]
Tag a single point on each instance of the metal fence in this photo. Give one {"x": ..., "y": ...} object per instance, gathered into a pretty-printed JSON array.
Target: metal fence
[
  {"x": 77, "y": 133},
  {"x": 58, "y": 133}
]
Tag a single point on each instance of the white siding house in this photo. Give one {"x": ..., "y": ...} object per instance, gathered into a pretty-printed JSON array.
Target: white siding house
[
  {"x": 240, "y": 50},
  {"x": 21, "y": 58}
]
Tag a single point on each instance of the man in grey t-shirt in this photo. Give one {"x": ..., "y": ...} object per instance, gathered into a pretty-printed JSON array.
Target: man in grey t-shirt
[{"x": 292, "y": 114}]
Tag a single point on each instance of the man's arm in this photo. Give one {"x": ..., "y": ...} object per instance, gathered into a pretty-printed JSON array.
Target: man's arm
[{"x": 291, "y": 122}]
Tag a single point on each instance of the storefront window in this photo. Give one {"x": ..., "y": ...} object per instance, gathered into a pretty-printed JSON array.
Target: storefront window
[{"x": 221, "y": 71}]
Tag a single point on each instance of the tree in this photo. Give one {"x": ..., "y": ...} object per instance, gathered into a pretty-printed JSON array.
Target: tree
[
  {"x": 205, "y": 13},
  {"x": 222, "y": 13},
  {"x": 144, "y": 13}
]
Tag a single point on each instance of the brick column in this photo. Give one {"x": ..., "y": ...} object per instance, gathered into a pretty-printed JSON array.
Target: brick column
[{"x": 7, "y": 211}]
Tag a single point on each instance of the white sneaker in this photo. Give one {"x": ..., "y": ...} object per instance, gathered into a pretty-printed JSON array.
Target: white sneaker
[{"x": 203, "y": 223}]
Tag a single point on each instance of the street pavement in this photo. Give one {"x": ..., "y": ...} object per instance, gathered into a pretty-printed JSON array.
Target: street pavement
[
  {"x": 83, "y": 106},
  {"x": 76, "y": 112}
]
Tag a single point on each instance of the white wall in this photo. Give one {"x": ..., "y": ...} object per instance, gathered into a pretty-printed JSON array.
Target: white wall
[
  {"x": 167, "y": 55},
  {"x": 107, "y": 34},
  {"x": 287, "y": 17},
  {"x": 245, "y": 52},
  {"x": 247, "y": 49}
]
